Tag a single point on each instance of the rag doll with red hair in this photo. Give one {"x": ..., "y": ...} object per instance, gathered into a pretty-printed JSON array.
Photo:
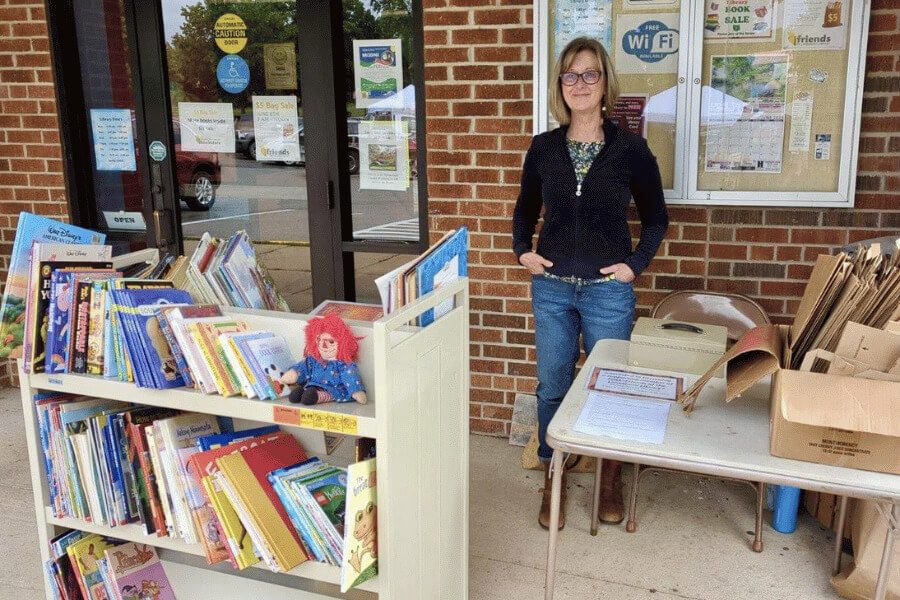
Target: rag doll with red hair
[{"x": 328, "y": 371}]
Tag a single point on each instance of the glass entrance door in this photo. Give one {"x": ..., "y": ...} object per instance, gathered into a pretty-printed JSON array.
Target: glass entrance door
[
  {"x": 238, "y": 123},
  {"x": 246, "y": 116}
]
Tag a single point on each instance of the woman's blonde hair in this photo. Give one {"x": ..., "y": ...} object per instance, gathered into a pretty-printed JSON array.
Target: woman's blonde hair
[{"x": 557, "y": 104}]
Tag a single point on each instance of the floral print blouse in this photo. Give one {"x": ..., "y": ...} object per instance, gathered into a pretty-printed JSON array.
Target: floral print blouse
[{"x": 582, "y": 155}]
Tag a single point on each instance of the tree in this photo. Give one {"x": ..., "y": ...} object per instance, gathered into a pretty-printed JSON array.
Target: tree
[{"x": 193, "y": 54}]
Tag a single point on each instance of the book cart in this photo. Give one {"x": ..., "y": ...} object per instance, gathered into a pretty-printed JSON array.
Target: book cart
[{"x": 418, "y": 382}]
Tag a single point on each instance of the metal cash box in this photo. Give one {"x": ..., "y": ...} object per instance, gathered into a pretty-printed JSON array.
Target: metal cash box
[{"x": 677, "y": 346}]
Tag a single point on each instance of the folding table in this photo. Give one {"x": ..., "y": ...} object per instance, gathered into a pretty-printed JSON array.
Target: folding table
[{"x": 719, "y": 439}]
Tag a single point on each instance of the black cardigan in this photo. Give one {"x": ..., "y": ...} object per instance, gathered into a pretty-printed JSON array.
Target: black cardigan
[{"x": 582, "y": 234}]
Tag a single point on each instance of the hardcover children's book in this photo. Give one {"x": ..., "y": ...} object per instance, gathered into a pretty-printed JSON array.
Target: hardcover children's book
[
  {"x": 163, "y": 369},
  {"x": 31, "y": 228},
  {"x": 84, "y": 555},
  {"x": 62, "y": 299},
  {"x": 270, "y": 357},
  {"x": 149, "y": 506},
  {"x": 360, "y": 556},
  {"x": 246, "y": 471},
  {"x": 61, "y": 565},
  {"x": 446, "y": 263},
  {"x": 178, "y": 319},
  {"x": 177, "y": 353},
  {"x": 354, "y": 311},
  {"x": 176, "y": 433},
  {"x": 203, "y": 467},
  {"x": 137, "y": 573}
]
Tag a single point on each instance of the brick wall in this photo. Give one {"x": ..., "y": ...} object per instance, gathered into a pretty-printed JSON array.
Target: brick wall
[
  {"x": 31, "y": 169},
  {"x": 478, "y": 94}
]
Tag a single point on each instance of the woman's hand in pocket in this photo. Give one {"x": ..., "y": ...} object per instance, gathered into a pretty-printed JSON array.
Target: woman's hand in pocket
[
  {"x": 620, "y": 272},
  {"x": 534, "y": 262}
]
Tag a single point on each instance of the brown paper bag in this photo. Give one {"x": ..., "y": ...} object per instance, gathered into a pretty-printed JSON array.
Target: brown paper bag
[
  {"x": 585, "y": 464},
  {"x": 857, "y": 581}
]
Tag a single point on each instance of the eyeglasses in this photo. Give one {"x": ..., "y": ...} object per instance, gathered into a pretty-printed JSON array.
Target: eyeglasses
[{"x": 589, "y": 77}]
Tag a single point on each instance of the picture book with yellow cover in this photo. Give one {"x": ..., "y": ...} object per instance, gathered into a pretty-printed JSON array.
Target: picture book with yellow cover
[
  {"x": 247, "y": 472},
  {"x": 360, "y": 556},
  {"x": 84, "y": 555}
]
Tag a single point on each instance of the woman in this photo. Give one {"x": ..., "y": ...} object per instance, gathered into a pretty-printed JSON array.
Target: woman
[{"x": 583, "y": 175}]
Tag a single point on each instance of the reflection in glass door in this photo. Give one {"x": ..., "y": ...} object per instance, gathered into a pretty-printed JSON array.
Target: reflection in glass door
[
  {"x": 116, "y": 183},
  {"x": 382, "y": 149},
  {"x": 237, "y": 118}
]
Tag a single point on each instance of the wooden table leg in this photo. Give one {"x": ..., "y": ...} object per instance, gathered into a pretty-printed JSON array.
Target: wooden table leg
[{"x": 556, "y": 467}]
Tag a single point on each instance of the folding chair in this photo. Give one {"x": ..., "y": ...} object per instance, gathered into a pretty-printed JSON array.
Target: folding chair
[{"x": 738, "y": 314}]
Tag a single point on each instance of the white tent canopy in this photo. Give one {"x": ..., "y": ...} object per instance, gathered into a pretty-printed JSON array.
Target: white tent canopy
[
  {"x": 715, "y": 106},
  {"x": 402, "y": 103}
]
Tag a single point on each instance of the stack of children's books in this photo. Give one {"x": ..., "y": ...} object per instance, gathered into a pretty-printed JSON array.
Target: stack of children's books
[
  {"x": 227, "y": 272},
  {"x": 85, "y": 566},
  {"x": 444, "y": 262},
  {"x": 71, "y": 307},
  {"x": 249, "y": 496}
]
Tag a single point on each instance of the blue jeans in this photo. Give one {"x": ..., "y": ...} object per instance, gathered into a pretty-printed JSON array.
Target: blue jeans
[{"x": 562, "y": 311}]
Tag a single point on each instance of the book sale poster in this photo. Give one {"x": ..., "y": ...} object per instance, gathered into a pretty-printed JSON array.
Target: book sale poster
[
  {"x": 275, "y": 122},
  {"x": 814, "y": 25},
  {"x": 206, "y": 126},
  {"x": 377, "y": 70},
  {"x": 383, "y": 155},
  {"x": 726, "y": 19}
]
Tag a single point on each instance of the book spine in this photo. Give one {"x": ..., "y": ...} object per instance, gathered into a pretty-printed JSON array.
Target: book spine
[
  {"x": 177, "y": 353},
  {"x": 95, "y": 329},
  {"x": 231, "y": 547},
  {"x": 237, "y": 365},
  {"x": 160, "y": 480},
  {"x": 211, "y": 358},
  {"x": 193, "y": 356},
  {"x": 82, "y": 314},
  {"x": 148, "y": 503},
  {"x": 264, "y": 381},
  {"x": 232, "y": 382}
]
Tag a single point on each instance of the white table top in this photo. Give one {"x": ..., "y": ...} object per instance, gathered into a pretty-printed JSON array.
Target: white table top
[{"x": 717, "y": 438}]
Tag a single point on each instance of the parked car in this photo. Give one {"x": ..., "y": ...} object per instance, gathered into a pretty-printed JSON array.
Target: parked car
[
  {"x": 199, "y": 174},
  {"x": 244, "y": 138},
  {"x": 245, "y": 141}
]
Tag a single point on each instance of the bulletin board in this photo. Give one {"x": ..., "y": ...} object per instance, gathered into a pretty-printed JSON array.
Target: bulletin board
[
  {"x": 743, "y": 102},
  {"x": 649, "y": 89},
  {"x": 772, "y": 114}
]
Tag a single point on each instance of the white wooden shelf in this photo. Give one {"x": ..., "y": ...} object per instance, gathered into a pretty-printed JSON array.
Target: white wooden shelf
[
  {"x": 310, "y": 569},
  {"x": 188, "y": 399},
  {"x": 417, "y": 379}
]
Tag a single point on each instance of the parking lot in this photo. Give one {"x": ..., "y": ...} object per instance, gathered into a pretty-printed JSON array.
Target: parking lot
[{"x": 269, "y": 201}]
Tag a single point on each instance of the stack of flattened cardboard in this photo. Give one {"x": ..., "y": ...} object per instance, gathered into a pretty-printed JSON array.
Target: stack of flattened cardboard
[
  {"x": 836, "y": 370},
  {"x": 864, "y": 289}
]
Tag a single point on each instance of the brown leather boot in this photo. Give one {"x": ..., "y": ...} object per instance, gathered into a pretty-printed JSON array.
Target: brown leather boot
[
  {"x": 612, "y": 506},
  {"x": 544, "y": 515}
]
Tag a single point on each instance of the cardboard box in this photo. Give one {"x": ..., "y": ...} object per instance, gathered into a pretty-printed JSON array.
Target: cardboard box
[
  {"x": 817, "y": 417},
  {"x": 677, "y": 346},
  {"x": 836, "y": 420}
]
